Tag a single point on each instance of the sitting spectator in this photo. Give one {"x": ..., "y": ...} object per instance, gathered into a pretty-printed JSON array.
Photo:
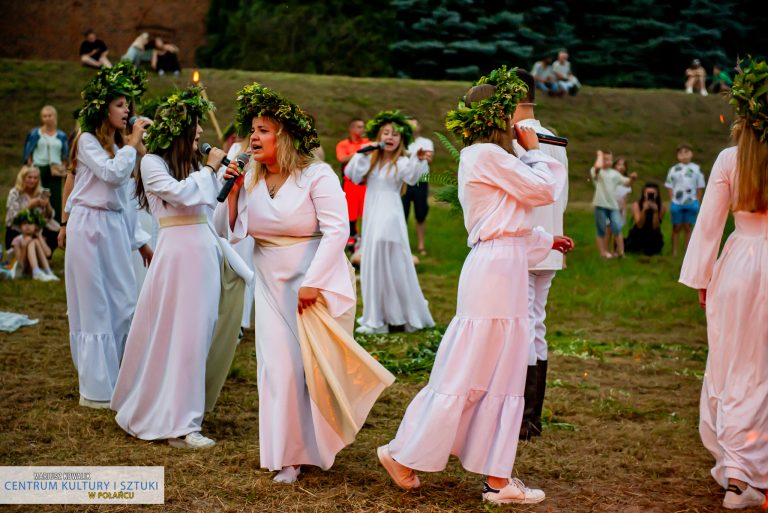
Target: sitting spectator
[
  {"x": 136, "y": 53},
  {"x": 562, "y": 70},
  {"x": 165, "y": 58},
  {"x": 47, "y": 148},
  {"x": 93, "y": 52},
  {"x": 695, "y": 78},
  {"x": 28, "y": 195},
  {"x": 648, "y": 213},
  {"x": 545, "y": 77},
  {"x": 30, "y": 249},
  {"x": 721, "y": 82}
]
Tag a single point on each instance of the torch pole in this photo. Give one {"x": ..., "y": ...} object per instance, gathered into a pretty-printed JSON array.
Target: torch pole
[{"x": 196, "y": 80}]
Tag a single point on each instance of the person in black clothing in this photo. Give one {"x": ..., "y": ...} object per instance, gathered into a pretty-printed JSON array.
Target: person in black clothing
[
  {"x": 165, "y": 58},
  {"x": 645, "y": 236},
  {"x": 93, "y": 52}
]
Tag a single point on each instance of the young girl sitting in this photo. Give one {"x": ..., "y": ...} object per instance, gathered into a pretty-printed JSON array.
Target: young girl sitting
[{"x": 30, "y": 248}]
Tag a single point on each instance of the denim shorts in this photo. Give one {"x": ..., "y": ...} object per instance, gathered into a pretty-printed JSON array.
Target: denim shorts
[
  {"x": 603, "y": 216},
  {"x": 684, "y": 214}
]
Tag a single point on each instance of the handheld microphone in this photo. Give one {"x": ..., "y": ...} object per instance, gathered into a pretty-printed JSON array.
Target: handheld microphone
[
  {"x": 552, "y": 139},
  {"x": 133, "y": 119},
  {"x": 379, "y": 146},
  {"x": 241, "y": 159}
]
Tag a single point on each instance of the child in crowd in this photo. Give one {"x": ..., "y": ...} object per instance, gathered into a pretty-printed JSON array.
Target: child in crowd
[
  {"x": 685, "y": 183},
  {"x": 606, "y": 180},
  {"x": 622, "y": 192},
  {"x": 30, "y": 248}
]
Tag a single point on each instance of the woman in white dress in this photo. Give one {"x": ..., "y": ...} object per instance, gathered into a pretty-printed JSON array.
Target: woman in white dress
[
  {"x": 101, "y": 289},
  {"x": 161, "y": 389},
  {"x": 473, "y": 404},
  {"x": 734, "y": 291},
  {"x": 388, "y": 280},
  {"x": 293, "y": 207}
]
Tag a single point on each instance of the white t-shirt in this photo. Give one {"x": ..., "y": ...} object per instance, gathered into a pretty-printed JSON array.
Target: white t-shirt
[
  {"x": 684, "y": 180},
  {"x": 421, "y": 143},
  {"x": 563, "y": 69}
]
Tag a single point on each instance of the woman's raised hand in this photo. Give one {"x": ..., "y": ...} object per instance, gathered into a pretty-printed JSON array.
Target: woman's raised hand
[
  {"x": 215, "y": 156},
  {"x": 562, "y": 243},
  {"x": 135, "y": 138},
  {"x": 527, "y": 138},
  {"x": 233, "y": 170}
]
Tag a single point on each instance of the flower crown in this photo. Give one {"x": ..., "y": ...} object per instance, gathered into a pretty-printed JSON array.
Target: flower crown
[
  {"x": 255, "y": 100},
  {"x": 399, "y": 123},
  {"x": 123, "y": 79},
  {"x": 749, "y": 95},
  {"x": 30, "y": 216},
  {"x": 174, "y": 115},
  {"x": 478, "y": 120}
]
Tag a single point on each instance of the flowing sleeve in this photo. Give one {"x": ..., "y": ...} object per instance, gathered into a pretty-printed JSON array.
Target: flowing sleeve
[
  {"x": 114, "y": 171},
  {"x": 358, "y": 167},
  {"x": 410, "y": 170},
  {"x": 534, "y": 179},
  {"x": 539, "y": 244},
  {"x": 199, "y": 188},
  {"x": 240, "y": 230},
  {"x": 702, "y": 250},
  {"x": 13, "y": 206},
  {"x": 329, "y": 270}
]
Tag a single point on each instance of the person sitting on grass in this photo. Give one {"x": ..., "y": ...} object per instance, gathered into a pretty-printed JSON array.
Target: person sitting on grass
[
  {"x": 29, "y": 247},
  {"x": 93, "y": 51},
  {"x": 721, "y": 82},
  {"x": 696, "y": 78}
]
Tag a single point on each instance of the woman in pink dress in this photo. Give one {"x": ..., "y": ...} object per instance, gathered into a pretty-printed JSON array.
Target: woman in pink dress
[
  {"x": 734, "y": 291},
  {"x": 472, "y": 406}
]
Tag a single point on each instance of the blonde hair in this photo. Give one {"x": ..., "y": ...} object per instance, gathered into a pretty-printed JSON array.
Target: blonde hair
[
  {"x": 377, "y": 155},
  {"x": 51, "y": 108},
  {"x": 751, "y": 169},
  {"x": 141, "y": 41},
  {"x": 289, "y": 160},
  {"x": 23, "y": 172},
  {"x": 498, "y": 137}
]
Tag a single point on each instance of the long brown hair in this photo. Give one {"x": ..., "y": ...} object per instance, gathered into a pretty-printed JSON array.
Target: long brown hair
[
  {"x": 102, "y": 135},
  {"x": 377, "y": 155},
  {"x": 180, "y": 157},
  {"x": 497, "y": 137},
  {"x": 751, "y": 169},
  {"x": 289, "y": 160}
]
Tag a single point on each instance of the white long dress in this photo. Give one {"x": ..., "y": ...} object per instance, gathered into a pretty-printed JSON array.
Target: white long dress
[
  {"x": 160, "y": 391},
  {"x": 311, "y": 210},
  {"x": 388, "y": 280},
  {"x": 734, "y": 396},
  {"x": 100, "y": 283},
  {"x": 472, "y": 406}
]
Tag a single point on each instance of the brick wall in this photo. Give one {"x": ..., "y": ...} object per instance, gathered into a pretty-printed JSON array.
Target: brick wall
[{"x": 52, "y": 29}]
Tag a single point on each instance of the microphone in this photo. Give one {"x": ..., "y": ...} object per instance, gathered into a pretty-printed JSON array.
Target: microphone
[
  {"x": 552, "y": 139},
  {"x": 133, "y": 119},
  {"x": 379, "y": 146},
  {"x": 241, "y": 159}
]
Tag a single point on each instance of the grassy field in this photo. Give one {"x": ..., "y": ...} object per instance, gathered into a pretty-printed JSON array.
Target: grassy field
[{"x": 628, "y": 344}]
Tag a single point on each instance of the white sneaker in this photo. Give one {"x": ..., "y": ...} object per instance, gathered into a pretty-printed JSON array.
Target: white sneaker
[
  {"x": 288, "y": 475},
  {"x": 736, "y": 498},
  {"x": 704, "y": 92},
  {"x": 97, "y": 405},
  {"x": 689, "y": 90},
  {"x": 514, "y": 493},
  {"x": 370, "y": 330},
  {"x": 50, "y": 275},
  {"x": 40, "y": 276},
  {"x": 194, "y": 440}
]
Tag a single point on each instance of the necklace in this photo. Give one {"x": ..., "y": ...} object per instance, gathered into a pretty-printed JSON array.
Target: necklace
[{"x": 272, "y": 191}]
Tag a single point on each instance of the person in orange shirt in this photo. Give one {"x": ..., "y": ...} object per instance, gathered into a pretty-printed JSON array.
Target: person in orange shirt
[{"x": 355, "y": 193}]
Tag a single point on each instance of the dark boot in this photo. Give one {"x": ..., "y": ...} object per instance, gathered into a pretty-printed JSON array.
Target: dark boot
[
  {"x": 541, "y": 388},
  {"x": 526, "y": 428}
]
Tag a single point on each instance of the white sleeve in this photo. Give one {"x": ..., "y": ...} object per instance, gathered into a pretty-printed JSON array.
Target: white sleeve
[
  {"x": 114, "y": 171},
  {"x": 358, "y": 167},
  {"x": 534, "y": 179},
  {"x": 411, "y": 169},
  {"x": 199, "y": 188}
]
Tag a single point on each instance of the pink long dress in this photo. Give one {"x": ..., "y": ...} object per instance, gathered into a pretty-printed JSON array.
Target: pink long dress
[
  {"x": 472, "y": 406},
  {"x": 734, "y": 396}
]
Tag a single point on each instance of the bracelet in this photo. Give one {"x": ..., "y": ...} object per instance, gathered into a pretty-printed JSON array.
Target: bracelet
[{"x": 63, "y": 223}]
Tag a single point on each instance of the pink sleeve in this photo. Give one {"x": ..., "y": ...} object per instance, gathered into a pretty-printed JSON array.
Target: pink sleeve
[
  {"x": 534, "y": 179},
  {"x": 539, "y": 244},
  {"x": 705, "y": 242}
]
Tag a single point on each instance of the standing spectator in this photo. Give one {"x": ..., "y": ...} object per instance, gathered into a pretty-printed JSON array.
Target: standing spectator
[
  {"x": 565, "y": 78},
  {"x": 606, "y": 179},
  {"x": 47, "y": 148},
  {"x": 93, "y": 52},
  {"x": 647, "y": 212},
  {"x": 545, "y": 77},
  {"x": 721, "y": 82},
  {"x": 695, "y": 78},
  {"x": 30, "y": 248},
  {"x": 165, "y": 58},
  {"x": 685, "y": 183},
  {"x": 28, "y": 195},
  {"x": 135, "y": 53},
  {"x": 355, "y": 193},
  {"x": 418, "y": 194}
]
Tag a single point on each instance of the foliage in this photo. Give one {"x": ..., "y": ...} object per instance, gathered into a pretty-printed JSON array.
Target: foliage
[
  {"x": 123, "y": 79},
  {"x": 749, "y": 95},
  {"x": 399, "y": 124},
  {"x": 174, "y": 115},
  {"x": 256, "y": 100},
  {"x": 29, "y": 216}
]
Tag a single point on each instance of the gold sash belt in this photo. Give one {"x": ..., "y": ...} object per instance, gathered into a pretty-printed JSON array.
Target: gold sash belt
[
  {"x": 284, "y": 240},
  {"x": 169, "y": 221}
]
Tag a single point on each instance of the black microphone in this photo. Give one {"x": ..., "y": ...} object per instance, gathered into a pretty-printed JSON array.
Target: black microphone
[
  {"x": 552, "y": 139},
  {"x": 241, "y": 159},
  {"x": 379, "y": 146}
]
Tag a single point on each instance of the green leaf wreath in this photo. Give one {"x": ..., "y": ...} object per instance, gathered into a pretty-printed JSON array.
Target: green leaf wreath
[
  {"x": 255, "y": 100},
  {"x": 478, "y": 120},
  {"x": 174, "y": 115},
  {"x": 29, "y": 216},
  {"x": 123, "y": 79},
  {"x": 399, "y": 123},
  {"x": 749, "y": 95}
]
